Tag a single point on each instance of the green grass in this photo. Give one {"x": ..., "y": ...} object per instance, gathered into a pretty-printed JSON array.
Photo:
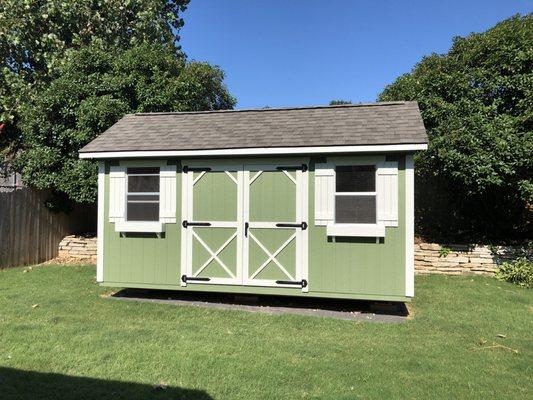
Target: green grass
[{"x": 78, "y": 345}]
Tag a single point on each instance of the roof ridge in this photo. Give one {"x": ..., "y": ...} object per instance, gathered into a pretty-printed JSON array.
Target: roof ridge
[{"x": 357, "y": 105}]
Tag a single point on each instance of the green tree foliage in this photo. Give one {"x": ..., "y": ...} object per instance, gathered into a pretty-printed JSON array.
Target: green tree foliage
[
  {"x": 93, "y": 89},
  {"x": 36, "y": 34},
  {"x": 475, "y": 180}
]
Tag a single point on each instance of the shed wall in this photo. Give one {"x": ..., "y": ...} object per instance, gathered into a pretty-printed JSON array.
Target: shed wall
[{"x": 359, "y": 268}]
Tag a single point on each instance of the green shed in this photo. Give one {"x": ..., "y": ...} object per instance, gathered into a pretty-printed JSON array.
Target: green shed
[{"x": 311, "y": 201}]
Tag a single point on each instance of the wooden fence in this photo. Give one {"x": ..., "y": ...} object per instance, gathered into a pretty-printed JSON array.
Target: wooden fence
[{"x": 29, "y": 232}]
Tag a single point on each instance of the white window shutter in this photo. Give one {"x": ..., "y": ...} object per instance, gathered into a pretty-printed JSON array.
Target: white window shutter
[
  {"x": 387, "y": 192},
  {"x": 117, "y": 194},
  {"x": 324, "y": 193},
  {"x": 167, "y": 194}
]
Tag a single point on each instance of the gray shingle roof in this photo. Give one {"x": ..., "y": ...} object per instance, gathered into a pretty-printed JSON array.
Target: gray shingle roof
[{"x": 364, "y": 124}]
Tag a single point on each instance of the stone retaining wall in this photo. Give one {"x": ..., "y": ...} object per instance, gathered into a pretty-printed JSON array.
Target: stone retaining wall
[
  {"x": 82, "y": 247},
  {"x": 430, "y": 258}
]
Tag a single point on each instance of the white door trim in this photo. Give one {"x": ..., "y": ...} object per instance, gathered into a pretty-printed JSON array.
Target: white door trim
[
  {"x": 245, "y": 176},
  {"x": 300, "y": 236},
  {"x": 188, "y": 232}
]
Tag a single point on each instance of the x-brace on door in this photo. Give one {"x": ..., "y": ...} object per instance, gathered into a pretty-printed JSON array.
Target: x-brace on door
[{"x": 245, "y": 224}]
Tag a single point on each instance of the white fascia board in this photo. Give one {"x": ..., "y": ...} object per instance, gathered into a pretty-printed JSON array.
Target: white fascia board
[{"x": 259, "y": 151}]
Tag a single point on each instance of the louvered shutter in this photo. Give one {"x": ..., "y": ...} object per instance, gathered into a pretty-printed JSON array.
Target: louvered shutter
[
  {"x": 324, "y": 193},
  {"x": 167, "y": 195},
  {"x": 387, "y": 192},
  {"x": 117, "y": 194}
]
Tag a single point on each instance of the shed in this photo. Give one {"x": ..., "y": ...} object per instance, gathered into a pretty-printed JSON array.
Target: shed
[{"x": 310, "y": 201}]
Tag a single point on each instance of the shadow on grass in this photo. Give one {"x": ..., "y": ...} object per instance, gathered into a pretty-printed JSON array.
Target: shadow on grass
[
  {"x": 17, "y": 384},
  {"x": 377, "y": 311}
]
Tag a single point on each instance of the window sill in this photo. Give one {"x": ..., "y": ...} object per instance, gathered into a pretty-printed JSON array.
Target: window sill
[
  {"x": 140, "y": 226},
  {"x": 356, "y": 230}
]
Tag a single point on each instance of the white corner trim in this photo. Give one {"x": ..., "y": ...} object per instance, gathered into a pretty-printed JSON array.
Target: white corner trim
[
  {"x": 409, "y": 226},
  {"x": 258, "y": 151},
  {"x": 356, "y": 230},
  {"x": 101, "y": 221},
  {"x": 139, "y": 226}
]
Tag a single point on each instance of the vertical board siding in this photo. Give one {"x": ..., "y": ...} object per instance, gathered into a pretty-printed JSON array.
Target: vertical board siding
[
  {"x": 29, "y": 232},
  {"x": 137, "y": 257},
  {"x": 343, "y": 267}
]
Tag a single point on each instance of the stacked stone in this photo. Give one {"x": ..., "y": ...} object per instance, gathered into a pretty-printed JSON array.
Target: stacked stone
[
  {"x": 82, "y": 247},
  {"x": 432, "y": 258}
]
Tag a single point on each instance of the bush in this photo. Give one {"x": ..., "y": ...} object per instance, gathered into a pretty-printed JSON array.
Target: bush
[
  {"x": 474, "y": 182},
  {"x": 519, "y": 271}
]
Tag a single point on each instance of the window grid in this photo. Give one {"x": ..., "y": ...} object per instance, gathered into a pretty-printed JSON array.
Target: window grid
[
  {"x": 143, "y": 194},
  {"x": 357, "y": 194}
]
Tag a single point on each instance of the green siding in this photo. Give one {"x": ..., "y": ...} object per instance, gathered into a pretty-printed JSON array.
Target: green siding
[
  {"x": 356, "y": 268},
  {"x": 141, "y": 258},
  {"x": 272, "y": 198},
  {"x": 223, "y": 206}
]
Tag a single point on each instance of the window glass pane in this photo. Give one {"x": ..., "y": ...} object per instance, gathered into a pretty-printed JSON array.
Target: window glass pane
[
  {"x": 355, "y": 209},
  {"x": 143, "y": 197},
  {"x": 143, "y": 212},
  {"x": 355, "y": 178},
  {"x": 143, "y": 170},
  {"x": 143, "y": 183}
]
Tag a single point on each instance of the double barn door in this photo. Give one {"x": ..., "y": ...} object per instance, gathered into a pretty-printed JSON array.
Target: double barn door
[{"x": 245, "y": 224}]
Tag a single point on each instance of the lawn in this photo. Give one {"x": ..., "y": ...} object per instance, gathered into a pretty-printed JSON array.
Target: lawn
[{"x": 61, "y": 339}]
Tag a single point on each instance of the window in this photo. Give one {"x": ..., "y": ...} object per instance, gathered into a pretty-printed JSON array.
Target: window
[
  {"x": 355, "y": 194},
  {"x": 142, "y": 197}
]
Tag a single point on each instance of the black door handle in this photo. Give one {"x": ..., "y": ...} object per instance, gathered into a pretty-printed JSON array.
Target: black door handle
[{"x": 246, "y": 227}]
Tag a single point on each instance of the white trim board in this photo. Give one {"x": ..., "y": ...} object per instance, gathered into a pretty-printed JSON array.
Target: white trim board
[
  {"x": 258, "y": 151},
  {"x": 101, "y": 221},
  {"x": 409, "y": 226}
]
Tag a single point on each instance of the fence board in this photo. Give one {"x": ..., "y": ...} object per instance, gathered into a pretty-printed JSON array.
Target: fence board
[{"x": 29, "y": 232}]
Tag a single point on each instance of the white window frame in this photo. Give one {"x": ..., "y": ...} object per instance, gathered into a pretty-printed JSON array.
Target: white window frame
[
  {"x": 355, "y": 229},
  {"x": 374, "y": 193},
  {"x": 125, "y": 226},
  {"x": 128, "y": 193}
]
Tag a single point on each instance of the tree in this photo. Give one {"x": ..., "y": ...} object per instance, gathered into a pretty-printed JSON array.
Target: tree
[
  {"x": 35, "y": 35},
  {"x": 477, "y": 104},
  {"x": 339, "y": 102},
  {"x": 95, "y": 87}
]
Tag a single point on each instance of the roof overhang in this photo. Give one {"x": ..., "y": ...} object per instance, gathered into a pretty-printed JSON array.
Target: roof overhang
[{"x": 385, "y": 148}]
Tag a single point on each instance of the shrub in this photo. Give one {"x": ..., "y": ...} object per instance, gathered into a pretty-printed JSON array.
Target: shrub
[{"x": 519, "y": 271}]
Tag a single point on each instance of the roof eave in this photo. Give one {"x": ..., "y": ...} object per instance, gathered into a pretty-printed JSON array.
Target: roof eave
[{"x": 375, "y": 148}]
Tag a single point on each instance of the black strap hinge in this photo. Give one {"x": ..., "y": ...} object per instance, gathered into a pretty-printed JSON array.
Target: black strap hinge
[
  {"x": 186, "y": 223},
  {"x": 191, "y": 169},
  {"x": 302, "y": 167},
  {"x": 302, "y": 225},
  {"x": 185, "y": 279},
  {"x": 302, "y": 283}
]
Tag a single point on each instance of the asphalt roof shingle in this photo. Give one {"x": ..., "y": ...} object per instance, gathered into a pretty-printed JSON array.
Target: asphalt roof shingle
[{"x": 363, "y": 124}]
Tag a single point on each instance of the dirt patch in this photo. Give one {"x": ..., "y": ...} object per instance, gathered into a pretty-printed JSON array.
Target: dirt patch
[{"x": 69, "y": 261}]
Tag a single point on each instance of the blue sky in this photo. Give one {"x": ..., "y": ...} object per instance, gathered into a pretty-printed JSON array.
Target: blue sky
[{"x": 307, "y": 52}]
